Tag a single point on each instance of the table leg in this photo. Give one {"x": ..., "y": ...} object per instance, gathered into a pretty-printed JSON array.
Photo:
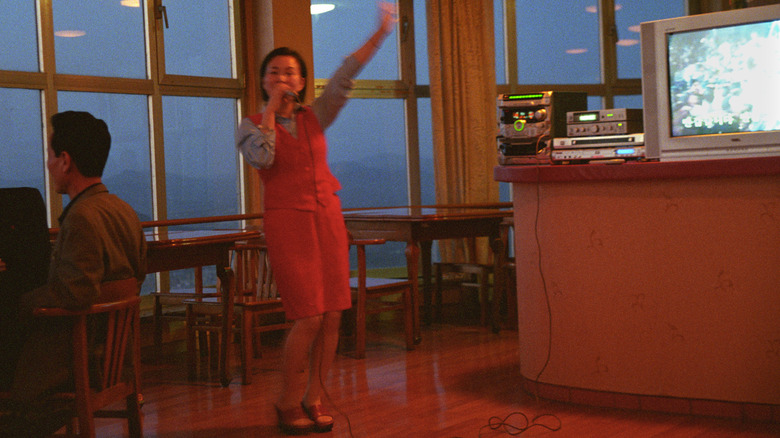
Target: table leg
[
  {"x": 227, "y": 289},
  {"x": 498, "y": 243},
  {"x": 412, "y": 266},
  {"x": 425, "y": 248}
]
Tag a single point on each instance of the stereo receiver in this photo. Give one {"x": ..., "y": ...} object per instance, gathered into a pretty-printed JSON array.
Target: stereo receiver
[
  {"x": 528, "y": 122},
  {"x": 598, "y": 148},
  {"x": 604, "y": 122}
]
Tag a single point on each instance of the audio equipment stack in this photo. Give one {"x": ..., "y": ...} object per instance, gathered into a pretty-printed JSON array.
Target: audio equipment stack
[
  {"x": 527, "y": 124},
  {"x": 600, "y": 136}
]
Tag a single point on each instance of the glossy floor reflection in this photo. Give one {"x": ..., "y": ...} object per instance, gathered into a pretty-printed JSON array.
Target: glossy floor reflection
[{"x": 459, "y": 377}]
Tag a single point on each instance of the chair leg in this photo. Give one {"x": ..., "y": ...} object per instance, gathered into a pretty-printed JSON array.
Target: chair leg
[
  {"x": 192, "y": 356},
  {"x": 360, "y": 328},
  {"x": 157, "y": 320},
  {"x": 257, "y": 341},
  {"x": 408, "y": 321},
  {"x": 246, "y": 347},
  {"x": 484, "y": 299},
  {"x": 437, "y": 293},
  {"x": 134, "y": 427}
]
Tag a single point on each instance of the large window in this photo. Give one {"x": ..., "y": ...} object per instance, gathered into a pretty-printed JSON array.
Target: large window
[
  {"x": 168, "y": 82},
  {"x": 583, "y": 45},
  {"x": 164, "y": 77},
  {"x": 556, "y": 44}
]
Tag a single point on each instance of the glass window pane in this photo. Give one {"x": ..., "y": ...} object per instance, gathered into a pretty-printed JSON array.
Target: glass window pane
[
  {"x": 18, "y": 33},
  {"x": 425, "y": 139},
  {"x": 558, "y": 42},
  {"x": 628, "y": 15},
  {"x": 22, "y": 164},
  {"x": 367, "y": 153},
  {"x": 99, "y": 38},
  {"x": 341, "y": 31},
  {"x": 197, "y": 41},
  {"x": 201, "y": 161},
  {"x": 128, "y": 169},
  {"x": 388, "y": 255},
  {"x": 504, "y": 192},
  {"x": 421, "y": 42},
  {"x": 633, "y": 101},
  {"x": 498, "y": 25},
  {"x": 594, "y": 102}
]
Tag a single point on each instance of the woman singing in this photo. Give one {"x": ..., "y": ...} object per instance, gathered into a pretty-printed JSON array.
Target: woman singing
[{"x": 304, "y": 228}]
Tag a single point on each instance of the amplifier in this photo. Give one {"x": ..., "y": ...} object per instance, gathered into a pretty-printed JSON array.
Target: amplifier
[
  {"x": 598, "y": 149},
  {"x": 523, "y": 152},
  {"x": 595, "y": 155},
  {"x": 533, "y": 115},
  {"x": 604, "y": 122},
  {"x": 528, "y": 122},
  {"x": 598, "y": 141}
]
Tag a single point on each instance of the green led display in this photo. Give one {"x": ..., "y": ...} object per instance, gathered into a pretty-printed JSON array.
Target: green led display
[{"x": 523, "y": 96}]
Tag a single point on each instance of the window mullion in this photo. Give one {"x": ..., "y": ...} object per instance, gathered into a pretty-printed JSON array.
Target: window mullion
[
  {"x": 510, "y": 43},
  {"x": 608, "y": 43}
]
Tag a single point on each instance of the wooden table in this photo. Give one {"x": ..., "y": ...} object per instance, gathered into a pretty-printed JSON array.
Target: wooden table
[
  {"x": 182, "y": 249},
  {"x": 419, "y": 227}
]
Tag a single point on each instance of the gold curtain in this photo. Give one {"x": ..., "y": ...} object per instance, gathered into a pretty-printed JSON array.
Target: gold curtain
[{"x": 461, "y": 58}]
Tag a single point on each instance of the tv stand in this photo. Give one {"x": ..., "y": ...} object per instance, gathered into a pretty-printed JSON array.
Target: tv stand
[{"x": 663, "y": 283}]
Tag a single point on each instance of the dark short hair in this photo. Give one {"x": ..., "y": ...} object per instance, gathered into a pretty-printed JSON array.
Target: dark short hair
[
  {"x": 85, "y": 138},
  {"x": 283, "y": 51}
]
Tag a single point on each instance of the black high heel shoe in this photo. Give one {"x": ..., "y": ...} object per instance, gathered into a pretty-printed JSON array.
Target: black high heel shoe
[
  {"x": 323, "y": 421},
  {"x": 289, "y": 421}
]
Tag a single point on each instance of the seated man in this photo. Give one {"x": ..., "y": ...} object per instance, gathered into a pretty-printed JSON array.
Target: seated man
[{"x": 100, "y": 239}]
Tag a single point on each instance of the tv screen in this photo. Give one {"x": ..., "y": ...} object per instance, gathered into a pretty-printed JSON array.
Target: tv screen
[
  {"x": 719, "y": 79},
  {"x": 711, "y": 85}
]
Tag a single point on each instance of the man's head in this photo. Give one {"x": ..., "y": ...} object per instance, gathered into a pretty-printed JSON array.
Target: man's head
[{"x": 78, "y": 148}]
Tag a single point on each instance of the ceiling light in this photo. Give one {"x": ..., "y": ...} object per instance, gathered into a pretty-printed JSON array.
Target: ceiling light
[
  {"x": 576, "y": 51},
  {"x": 322, "y": 8},
  {"x": 69, "y": 33},
  {"x": 594, "y": 9},
  {"x": 131, "y": 3},
  {"x": 626, "y": 43}
]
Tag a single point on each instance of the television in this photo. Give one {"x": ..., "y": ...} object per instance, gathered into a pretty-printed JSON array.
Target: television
[{"x": 711, "y": 85}]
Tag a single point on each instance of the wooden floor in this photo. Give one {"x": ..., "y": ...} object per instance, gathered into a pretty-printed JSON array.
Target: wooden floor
[{"x": 460, "y": 380}]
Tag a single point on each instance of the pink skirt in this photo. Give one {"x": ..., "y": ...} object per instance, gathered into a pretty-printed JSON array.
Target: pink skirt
[{"x": 309, "y": 256}]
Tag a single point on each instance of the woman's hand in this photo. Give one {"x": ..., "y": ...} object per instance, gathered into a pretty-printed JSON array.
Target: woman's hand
[
  {"x": 388, "y": 17},
  {"x": 281, "y": 97}
]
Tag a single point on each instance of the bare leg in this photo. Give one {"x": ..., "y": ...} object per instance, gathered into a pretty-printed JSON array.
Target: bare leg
[
  {"x": 323, "y": 354},
  {"x": 296, "y": 353}
]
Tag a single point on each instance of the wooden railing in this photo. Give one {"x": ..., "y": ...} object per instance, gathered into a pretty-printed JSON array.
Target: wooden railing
[{"x": 254, "y": 216}]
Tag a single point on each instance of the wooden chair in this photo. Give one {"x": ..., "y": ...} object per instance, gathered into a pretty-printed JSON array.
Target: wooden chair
[
  {"x": 113, "y": 375},
  {"x": 258, "y": 304},
  {"x": 465, "y": 276},
  {"x": 174, "y": 301},
  {"x": 371, "y": 296},
  {"x": 256, "y": 308}
]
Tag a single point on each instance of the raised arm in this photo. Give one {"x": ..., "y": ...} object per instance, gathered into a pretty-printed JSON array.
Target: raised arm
[
  {"x": 388, "y": 16},
  {"x": 336, "y": 92}
]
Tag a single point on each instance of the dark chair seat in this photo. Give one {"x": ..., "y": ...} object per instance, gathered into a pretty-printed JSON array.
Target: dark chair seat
[{"x": 372, "y": 295}]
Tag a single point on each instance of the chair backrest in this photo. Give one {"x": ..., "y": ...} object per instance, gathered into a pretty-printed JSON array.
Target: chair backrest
[
  {"x": 106, "y": 354},
  {"x": 254, "y": 277},
  {"x": 25, "y": 246},
  {"x": 360, "y": 244}
]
